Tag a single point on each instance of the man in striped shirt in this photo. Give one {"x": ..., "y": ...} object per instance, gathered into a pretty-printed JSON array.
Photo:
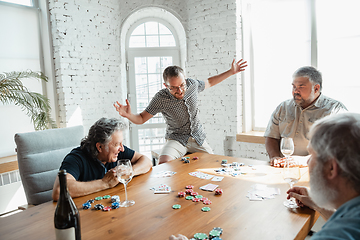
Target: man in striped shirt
[{"x": 178, "y": 104}]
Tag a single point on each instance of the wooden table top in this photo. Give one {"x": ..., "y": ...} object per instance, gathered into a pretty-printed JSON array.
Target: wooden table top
[{"x": 152, "y": 216}]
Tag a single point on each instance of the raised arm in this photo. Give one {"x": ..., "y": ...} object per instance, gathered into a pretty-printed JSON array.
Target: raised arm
[
  {"x": 78, "y": 189},
  {"x": 125, "y": 111},
  {"x": 140, "y": 163},
  {"x": 236, "y": 67}
]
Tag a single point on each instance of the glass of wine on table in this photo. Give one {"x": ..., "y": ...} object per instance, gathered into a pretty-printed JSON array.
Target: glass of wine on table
[
  {"x": 291, "y": 170},
  {"x": 124, "y": 174}
]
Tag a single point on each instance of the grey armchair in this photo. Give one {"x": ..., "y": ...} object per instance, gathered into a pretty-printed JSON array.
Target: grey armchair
[{"x": 40, "y": 155}]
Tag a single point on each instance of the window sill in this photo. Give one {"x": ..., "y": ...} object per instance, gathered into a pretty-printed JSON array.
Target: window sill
[{"x": 251, "y": 137}]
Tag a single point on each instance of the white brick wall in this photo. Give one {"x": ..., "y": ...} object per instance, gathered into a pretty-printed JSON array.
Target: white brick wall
[{"x": 86, "y": 41}]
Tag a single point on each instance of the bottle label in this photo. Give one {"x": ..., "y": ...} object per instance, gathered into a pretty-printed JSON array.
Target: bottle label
[{"x": 65, "y": 234}]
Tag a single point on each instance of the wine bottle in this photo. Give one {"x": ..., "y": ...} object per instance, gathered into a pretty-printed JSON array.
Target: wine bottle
[{"x": 66, "y": 217}]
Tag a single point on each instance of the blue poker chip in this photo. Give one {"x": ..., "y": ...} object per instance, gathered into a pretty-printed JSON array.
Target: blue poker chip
[
  {"x": 115, "y": 205},
  {"x": 86, "y": 205}
]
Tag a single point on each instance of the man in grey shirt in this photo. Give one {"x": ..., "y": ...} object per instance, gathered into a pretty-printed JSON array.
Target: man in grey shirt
[
  {"x": 178, "y": 104},
  {"x": 294, "y": 117}
]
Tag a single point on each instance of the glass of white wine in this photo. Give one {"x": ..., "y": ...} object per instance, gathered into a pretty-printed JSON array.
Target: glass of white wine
[
  {"x": 291, "y": 170},
  {"x": 124, "y": 174}
]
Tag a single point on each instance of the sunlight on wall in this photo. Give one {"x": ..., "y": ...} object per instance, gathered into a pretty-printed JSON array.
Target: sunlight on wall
[{"x": 76, "y": 118}]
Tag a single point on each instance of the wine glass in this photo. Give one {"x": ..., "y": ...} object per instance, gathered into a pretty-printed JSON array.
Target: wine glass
[
  {"x": 291, "y": 171},
  {"x": 124, "y": 173}
]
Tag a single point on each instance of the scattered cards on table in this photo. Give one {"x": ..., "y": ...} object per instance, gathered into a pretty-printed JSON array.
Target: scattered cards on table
[
  {"x": 161, "y": 188},
  {"x": 260, "y": 192},
  {"x": 164, "y": 174},
  {"x": 201, "y": 175}
]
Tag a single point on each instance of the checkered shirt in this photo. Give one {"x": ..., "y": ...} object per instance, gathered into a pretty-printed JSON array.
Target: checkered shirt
[{"x": 181, "y": 115}]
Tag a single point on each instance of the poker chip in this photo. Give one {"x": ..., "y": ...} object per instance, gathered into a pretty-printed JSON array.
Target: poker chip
[
  {"x": 99, "y": 206},
  {"x": 181, "y": 194},
  {"x": 86, "y": 205},
  {"x": 189, "y": 197},
  {"x": 98, "y": 198},
  {"x": 195, "y": 158},
  {"x": 183, "y": 159},
  {"x": 205, "y": 209},
  {"x": 204, "y": 198},
  {"x": 106, "y": 197},
  {"x": 115, "y": 205},
  {"x": 189, "y": 187},
  {"x": 218, "y": 191},
  {"x": 214, "y": 233},
  {"x": 196, "y": 199},
  {"x": 90, "y": 201},
  {"x": 224, "y": 161},
  {"x": 106, "y": 209},
  {"x": 186, "y": 161},
  {"x": 199, "y": 196},
  {"x": 207, "y": 202},
  {"x": 189, "y": 191},
  {"x": 187, "y": 157},
  {"x": 176, "y": 206},
  {"x": 115, "y": 198},
  {"x": 218, "y": 229},
  {"x": 200, "y": 236},
  {"x": 216, "y": 238},
  {"x": 194, "y": 193}
]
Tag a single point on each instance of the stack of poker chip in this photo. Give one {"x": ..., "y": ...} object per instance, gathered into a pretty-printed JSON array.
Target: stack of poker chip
[
  {"x": 214, "y": 234},
  {"x": 115, "y": 198}
]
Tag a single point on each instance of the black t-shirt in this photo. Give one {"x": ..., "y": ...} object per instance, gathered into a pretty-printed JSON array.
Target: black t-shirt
[{"x": 83, "y": 167}]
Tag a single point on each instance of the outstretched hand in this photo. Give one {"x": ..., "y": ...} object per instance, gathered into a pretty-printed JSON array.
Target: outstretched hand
[
  {"x": 123, "y": 110},
  {"x": 239, "y": 66}
]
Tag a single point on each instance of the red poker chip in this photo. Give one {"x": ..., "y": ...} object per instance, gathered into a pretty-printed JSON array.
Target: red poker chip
[
  {"x": 207, "y": 202},
  {"x": 189, "y": 187},
  {"x": 107, "y": 208},
  {"x": 196, "y": 200},
  {"x": 218, "y": 191},
  {"x": 181, "y": 194},
  {"x": 189, "y": 191},
  {"x": 194, "y": 193},
  {"x": 204, "y": 199}
]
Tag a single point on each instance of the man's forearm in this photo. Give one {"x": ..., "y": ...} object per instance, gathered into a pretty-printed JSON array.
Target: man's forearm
[
  {"x": 142, "y": 165},
  {"x": 78, "y": 189},
  {"x": 272, "y": 146},
  {"x": 218, "y": 78}
]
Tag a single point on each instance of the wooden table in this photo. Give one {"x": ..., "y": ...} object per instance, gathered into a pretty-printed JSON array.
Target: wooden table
[{"x": 152, "y": 216}]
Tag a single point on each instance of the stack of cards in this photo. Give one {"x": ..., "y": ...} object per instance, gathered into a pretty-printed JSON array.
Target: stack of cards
[
  {"x": 209, "y": 187},
  {"x": 161, "y": 188}
]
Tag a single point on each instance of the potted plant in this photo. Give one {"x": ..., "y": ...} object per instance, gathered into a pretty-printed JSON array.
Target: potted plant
[{"x": 36, "y": 106}]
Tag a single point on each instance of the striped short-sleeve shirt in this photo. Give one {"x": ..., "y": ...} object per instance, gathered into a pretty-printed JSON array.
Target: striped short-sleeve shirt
[{"x": 181, "y": 115}]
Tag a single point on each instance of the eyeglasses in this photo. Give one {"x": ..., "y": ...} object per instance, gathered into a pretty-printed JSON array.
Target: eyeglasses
[{"x": 175, "y": 89}]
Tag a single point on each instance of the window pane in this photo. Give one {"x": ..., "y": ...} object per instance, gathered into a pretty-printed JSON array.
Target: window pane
[
  {"x": 140, "y": 30},
  {"x": 152, "y": 41},
  {"x": 137, "y": 41},
  {"x": 21, "y": 2},
  {"x": 280, "y": 47},
  {"x": 152, "y": 28},
  {"x": 339, "y": 49},
  {"x": 154, "y": 65},
  {"x": 164, "y": 30},
  {"x": 167, "y": 41},
  {"x": 140, "y": 65}
]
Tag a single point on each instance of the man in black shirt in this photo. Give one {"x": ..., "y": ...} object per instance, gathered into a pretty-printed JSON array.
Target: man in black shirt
[{"x": 91, "y": 167}]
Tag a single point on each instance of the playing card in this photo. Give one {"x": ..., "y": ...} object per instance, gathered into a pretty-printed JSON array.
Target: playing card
[
  {"x": 217, "y": 179},
  {"x": 209, "y": 187}
]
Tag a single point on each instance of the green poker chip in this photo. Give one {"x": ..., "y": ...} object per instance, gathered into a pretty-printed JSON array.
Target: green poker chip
[
  {"x": 214, "y": 233},
  {"x": 205, "y": 209},
  {"x": 106, "y": 196},
  {"x": 176, "y": 206},
  {"x": 98, "y": 198},
  {"x": 189, "y": 197},
  {"x": 199, "y": 196},
  {"x": 200, "y": 236}
]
